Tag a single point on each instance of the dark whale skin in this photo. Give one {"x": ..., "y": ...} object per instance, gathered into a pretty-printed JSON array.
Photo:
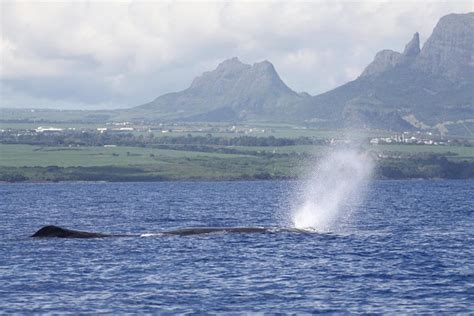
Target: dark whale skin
[
  {"x": 210, "y": 230},
  {"x": 59, "y": 232}
]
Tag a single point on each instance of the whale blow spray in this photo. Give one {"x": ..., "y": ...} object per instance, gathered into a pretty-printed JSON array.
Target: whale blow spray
[{"x": 332, "y": 190}]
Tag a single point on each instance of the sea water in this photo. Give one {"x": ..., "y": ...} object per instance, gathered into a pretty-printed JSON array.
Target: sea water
[{"x": 408, "y": 247}]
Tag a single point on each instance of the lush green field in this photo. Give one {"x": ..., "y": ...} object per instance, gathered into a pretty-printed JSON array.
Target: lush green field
[
  {"x": 32, "y": 156},
  {"x": 35, "y": 163},
  {"x": 137, "y": 164},
  {"x": 27, "y": 155},
  {"x": 451, "y": 152}
]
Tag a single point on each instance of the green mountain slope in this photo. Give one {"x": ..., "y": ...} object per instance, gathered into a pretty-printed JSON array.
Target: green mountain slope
[
  {"x": 432, "y": 87},
  {"x": 232, "y": 92}
]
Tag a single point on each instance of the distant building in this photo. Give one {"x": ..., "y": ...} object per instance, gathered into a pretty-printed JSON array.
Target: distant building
[
  {"x": 124, "y": 129},
  {"x": 42, "y": 129}
]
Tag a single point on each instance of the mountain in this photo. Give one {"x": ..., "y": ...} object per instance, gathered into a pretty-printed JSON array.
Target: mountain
[
  {"x": 234, "y": 91},
  {"x": 388, "y": 59},
  {"x": 431, "y": 88},
  {"x": 449, "y": 51}
]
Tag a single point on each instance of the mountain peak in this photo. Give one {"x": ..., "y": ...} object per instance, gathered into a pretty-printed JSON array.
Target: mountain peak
[
  {"x": 449, "y": 49},
  {"x": 232, "y": 91},
  {"x": 264, "y": 64},
  {"x": 446, "y": 53},
  {"x": 434, "y": 85},
  {"x": 412, "y": 49},
  {"x": 397, "y": 91},
  {"x": 265, "y": 67},
  {"x": 388, "y": 59},
  {"x": 226, "y": 71},
  {"x": 234, "y": 61},
  {"x": 383, "y": 61},
  {"x": 232, "y": 64}
]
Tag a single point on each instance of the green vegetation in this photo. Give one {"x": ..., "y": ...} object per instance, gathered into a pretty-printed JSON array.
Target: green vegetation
[
  {"x": 453, "y": 153},
  {"x": 213, "y": 152},
  {"x": 430, "y": 167},
  {"x": 26, "y": 162},
  {"x": 53, "y": 163},
  {"x": 26, "y": 155}
]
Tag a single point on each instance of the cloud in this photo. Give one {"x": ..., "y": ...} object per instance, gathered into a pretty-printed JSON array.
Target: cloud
[{"x": 117, "y": 54}]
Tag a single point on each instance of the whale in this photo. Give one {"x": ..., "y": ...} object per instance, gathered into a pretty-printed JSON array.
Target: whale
[
  {"x": 59, "y": 232},
  {"x": 51, "y": 231}
]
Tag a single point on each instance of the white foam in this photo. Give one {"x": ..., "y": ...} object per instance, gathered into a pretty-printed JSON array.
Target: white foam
[{"x": 151, "y": 235}]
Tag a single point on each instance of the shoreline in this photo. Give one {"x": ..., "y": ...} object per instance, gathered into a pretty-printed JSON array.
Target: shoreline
[{"x": 215, "y": 180}]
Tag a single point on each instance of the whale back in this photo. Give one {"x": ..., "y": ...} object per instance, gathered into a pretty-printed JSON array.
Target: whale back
[
  {"x": 210, "y": 230},
  {"x": 59, "y": 232},
  {"x": 55, "y": 231}
]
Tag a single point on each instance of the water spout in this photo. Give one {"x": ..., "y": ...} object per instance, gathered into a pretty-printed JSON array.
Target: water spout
[{"x": 332, "y": 190}]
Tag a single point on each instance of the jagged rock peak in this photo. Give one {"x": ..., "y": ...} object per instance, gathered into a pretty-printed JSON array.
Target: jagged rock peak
[
  {"x": 263, "y": 64},
  {"x": 449, "y": 49},
  {"x": 232, "y": 63},
  {"x": 231, "y": 92},
  {"x": 412, "y": 49},
  {"x": 383, "y": 61},
  {"x": 388, "y": 59},
  {"x": 227, "y": 70},
  {"x": 265, "y": 67}
]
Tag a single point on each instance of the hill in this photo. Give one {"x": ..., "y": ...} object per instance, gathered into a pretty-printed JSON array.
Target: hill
[
  {"x": 234, "y": 91},
  {"x": 429, "y": 88}
]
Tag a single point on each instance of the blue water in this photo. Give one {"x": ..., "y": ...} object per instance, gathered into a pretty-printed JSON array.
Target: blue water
[{"x": 409, "y": 248}]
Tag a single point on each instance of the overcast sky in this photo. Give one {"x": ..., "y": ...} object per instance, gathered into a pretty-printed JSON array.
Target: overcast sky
[{"x": 103, "y": 54}]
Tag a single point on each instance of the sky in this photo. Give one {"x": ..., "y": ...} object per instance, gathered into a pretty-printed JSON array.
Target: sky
[{"x": 117, "y": 54}]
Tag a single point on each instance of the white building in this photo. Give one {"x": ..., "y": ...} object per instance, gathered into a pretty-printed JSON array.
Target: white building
[{"x": 42, "y": 129}]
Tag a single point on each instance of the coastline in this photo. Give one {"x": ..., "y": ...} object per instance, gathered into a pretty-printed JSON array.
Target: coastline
[{"x": 222, "y": 179}]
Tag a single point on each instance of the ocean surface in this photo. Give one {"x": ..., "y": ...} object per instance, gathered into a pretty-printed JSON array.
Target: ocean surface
[{"x": 408, "y": 248}]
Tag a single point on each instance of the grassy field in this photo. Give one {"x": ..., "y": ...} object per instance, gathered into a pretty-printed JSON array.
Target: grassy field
[
  {"x": 27, "y": 155},
  {"x": 31, "y": 156},
  {"x": 137, "y": 164},
  {"x": 451, "y": 152},
  {"x": 35, "y": 163}
]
